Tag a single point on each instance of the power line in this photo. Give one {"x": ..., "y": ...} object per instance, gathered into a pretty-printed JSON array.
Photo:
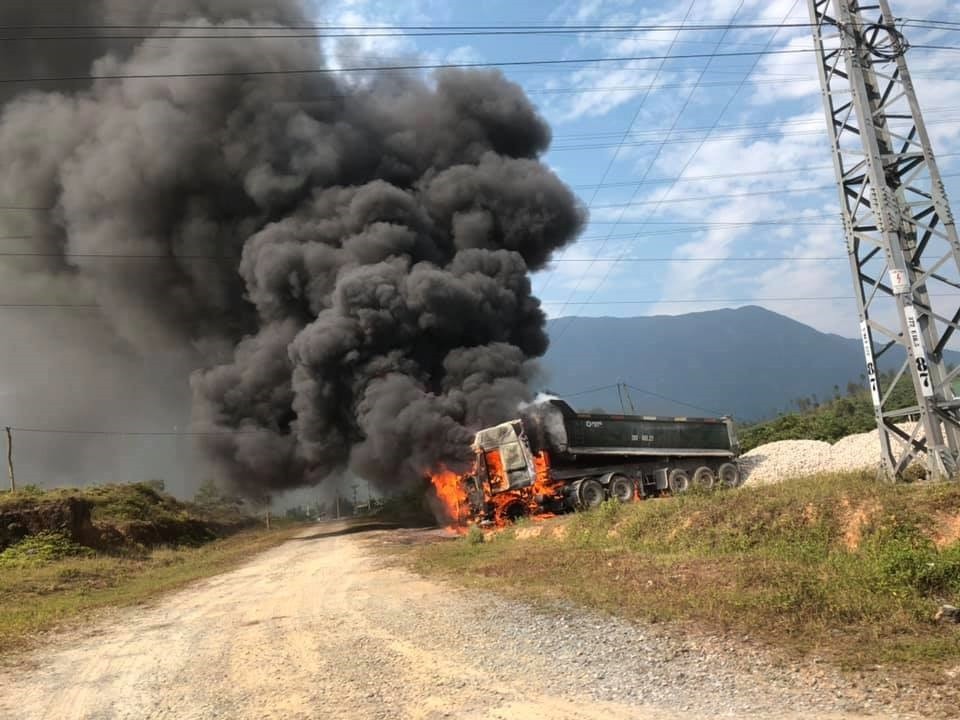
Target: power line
[
  {"x": 748, "y": 258},
  {"x": 409, "y": 67},
  {"x": 659, "y": 150},
  {"x": 673, "y": 400},
  {"x": 409, "y": 30},
  {"x": 633, "y": 120},
  {"x": 910, "y": 21},
  {"x": 736, "y": 126},
  {"x": 687, "y": 164},
  {"x": 114, "y": 256},
  {"x": 705, "y": 301},
  {"x": 709, "y": 136},
  {"x": 472, "y": 29},
  {"x": 727, "y": 196},
  {"x": 588, "y": 391},
  {"x": 601, "y": 388},
  {"x": 141, "y": 433},
  {"x": 651, "y": 301},
  {"x": 699, "y": 226},
  {"x": 723, "y": 196},
  {"x": 723, "y": 176},
  {"x": 46, "y": 306},
  {"x": 625, "y": 183},
  {"x": 280, "y": 34},
  {"x": 125, "y": 256},
  {"x": 952, "y": 48}
]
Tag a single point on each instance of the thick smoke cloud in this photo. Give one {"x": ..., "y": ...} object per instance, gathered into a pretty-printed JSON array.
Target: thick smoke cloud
[{"x": 344, "y": 261}]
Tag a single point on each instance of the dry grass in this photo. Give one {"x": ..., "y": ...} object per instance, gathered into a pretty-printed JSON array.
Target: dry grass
[
  {"x": 838, "y": 566},
  {"x": 40, "y": 596}
]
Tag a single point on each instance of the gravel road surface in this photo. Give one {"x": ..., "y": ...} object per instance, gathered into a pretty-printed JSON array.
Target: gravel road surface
[{"x": 326, "y": 627}]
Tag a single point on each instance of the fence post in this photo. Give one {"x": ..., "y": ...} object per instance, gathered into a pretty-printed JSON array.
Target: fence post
[{"x": 13, "y": 482}]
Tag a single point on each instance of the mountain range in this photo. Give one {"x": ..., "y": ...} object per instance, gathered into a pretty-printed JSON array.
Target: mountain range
[{"x": 748, "y": 362}]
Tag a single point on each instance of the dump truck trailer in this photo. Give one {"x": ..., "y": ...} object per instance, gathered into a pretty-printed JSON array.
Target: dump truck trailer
[{"x": 554, "y": 459}]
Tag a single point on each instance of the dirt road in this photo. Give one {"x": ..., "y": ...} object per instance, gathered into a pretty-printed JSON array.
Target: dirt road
[{"x": 322, "y": 628}]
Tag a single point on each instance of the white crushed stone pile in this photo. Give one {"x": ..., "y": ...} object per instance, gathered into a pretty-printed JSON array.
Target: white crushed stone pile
[
  {"x": 856, "y": 452},
  {"x": 776, "y": 461},
  {"x": 787, "y": 459}
]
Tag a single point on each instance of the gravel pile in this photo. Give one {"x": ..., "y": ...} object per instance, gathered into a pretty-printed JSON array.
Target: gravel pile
[
  {"x": 856, "y": 452},
  {"x": 776, "y": 461},
  {"x": 787, "y": 459}
]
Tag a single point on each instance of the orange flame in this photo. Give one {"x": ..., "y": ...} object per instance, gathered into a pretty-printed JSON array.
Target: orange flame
[
  {"x": 495, "y": 471},
  {"x": 507, "y": 504},
  {"x": 452, "y": 495},
  {"x": 544, "y": 485}
]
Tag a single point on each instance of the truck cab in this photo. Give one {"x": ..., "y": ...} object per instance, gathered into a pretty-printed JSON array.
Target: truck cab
[{"x": 504, "y": 459}]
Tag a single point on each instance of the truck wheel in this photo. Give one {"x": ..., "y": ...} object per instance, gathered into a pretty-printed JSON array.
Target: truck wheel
[
  {"x": 621, "y": 488},
  {"x": 589, "y": 493},
  {"x": 704, "y": 478},
  {"x": 514, "y": 511},
  {"x": 678, "y": 481},
  {"x": 730, "y": 475}
]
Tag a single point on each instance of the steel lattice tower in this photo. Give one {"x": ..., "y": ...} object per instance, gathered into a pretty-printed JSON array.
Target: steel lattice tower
[{"x": 900, "y": 233}]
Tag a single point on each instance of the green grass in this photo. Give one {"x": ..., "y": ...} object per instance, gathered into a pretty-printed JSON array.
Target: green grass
[
  {"x": 119, "y": 517},
  {"x": 41, "y": 549},
  {"x": 838, "y": 566},
  {"x": 58, "y": 584},
  {"x": 117, "y": 504}
]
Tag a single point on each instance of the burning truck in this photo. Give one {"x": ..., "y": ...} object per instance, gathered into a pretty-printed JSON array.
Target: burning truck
[{"x": 553, "y": 459}]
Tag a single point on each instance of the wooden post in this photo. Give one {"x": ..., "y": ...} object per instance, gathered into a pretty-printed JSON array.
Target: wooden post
[
  {"x": 268, "y": 518},
  {"x": 13, "y": 482}
]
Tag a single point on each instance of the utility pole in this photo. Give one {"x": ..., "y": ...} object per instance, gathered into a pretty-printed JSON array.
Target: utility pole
[
  {"x": 900, "y": 233},
  {"x": 13, "y": 482}
]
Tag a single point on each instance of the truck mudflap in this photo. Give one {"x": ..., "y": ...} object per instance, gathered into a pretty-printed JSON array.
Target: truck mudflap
[{"x": 661, "y": 478}]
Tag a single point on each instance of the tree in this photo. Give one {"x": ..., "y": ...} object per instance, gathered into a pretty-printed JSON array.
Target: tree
[
  {"x": 156, "y": 484},
  {"x": 209, "y": 494}
]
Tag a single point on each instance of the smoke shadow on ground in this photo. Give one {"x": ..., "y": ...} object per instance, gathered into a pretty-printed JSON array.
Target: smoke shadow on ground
[{"x": 350, "y": 528}]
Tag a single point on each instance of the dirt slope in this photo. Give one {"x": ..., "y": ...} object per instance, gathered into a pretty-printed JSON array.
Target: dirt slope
[{"x": 321, "y": 628}]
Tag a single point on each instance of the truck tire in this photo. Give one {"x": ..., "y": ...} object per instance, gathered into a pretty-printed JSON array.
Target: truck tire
[
  {"x": 514, "y": 511},
  {"x": 589, "y": 493},
  {"x": 704, "y": 478},
  {"x": 621, "y": 488},
  {"x": 729, "y": 475},
  {"x": 678, "y": 481}
]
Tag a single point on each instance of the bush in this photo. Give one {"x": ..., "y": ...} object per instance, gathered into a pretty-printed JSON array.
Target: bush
[
  {"x": 41, "y": 549},
  {"x": 475, "y": 536}
]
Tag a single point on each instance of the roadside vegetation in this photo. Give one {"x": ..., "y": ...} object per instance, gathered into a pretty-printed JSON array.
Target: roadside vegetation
[
  {"x": 829, "y": 419},
  {"x": 67, "y": 552},
  {"x": 836, "y": 566}
]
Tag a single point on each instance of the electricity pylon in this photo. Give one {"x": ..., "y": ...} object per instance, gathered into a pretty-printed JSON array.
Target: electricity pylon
[{"x": 900, "y": 233}]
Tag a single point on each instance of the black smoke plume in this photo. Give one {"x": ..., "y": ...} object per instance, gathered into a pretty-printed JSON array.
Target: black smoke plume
[{"x": 344, "y": 259}]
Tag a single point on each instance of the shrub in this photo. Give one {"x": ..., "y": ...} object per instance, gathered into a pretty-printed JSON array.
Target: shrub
[
  {"x": 475, "y": 536},
  {"x": 41, "y": 549}
]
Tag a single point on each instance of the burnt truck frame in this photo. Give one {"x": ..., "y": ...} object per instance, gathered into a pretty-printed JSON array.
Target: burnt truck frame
[{"x": 555, "y": 459}]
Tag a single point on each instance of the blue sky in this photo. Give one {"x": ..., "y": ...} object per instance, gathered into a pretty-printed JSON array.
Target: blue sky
[{"x": 696, "y": 119}]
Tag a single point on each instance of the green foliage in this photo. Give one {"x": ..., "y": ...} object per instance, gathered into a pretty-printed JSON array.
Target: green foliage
[
  {"x": 474, "y": 536},
  {"x": 156, "y": 484},
  {"x": 297, "y": 513},
  {"x": 828, "y": 421},
  {"x": 211, "y": 495},
  {"x": 410, "y": 508},
  {"x": 41, "y": 549}
]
